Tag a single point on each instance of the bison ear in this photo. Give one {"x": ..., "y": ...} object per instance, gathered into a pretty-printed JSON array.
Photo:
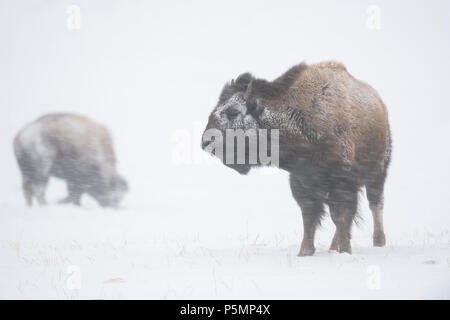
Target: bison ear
[{"x": 243, "y": 80}]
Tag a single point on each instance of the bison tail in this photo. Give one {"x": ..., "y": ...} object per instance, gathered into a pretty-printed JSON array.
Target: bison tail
[{"x": 388, "y": 152}]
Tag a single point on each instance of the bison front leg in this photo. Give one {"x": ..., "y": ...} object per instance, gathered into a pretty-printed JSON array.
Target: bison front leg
[
  {"x": 312, "y": 211},
  {"x": 334, "y": 243},
  {"x": 27, "y": 187},
  {"x": 311, "y": 218},
  {"x": 343, "y": 206},
  {"x": 74, "y": 194}
]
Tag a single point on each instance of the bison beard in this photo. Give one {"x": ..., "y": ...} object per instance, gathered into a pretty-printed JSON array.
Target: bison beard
[{"x": 334, "y": 140}]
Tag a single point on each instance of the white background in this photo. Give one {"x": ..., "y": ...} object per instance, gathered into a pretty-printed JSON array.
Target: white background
[{"x": 153, "y": 70}]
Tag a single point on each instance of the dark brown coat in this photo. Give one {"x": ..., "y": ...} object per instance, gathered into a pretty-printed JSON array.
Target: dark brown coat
[{"x": 334, "y": 139}]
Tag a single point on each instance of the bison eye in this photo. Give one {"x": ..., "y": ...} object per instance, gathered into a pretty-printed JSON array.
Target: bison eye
[
  {"x": 254, "y": 108},
  {"x": 232, "y": 113}
]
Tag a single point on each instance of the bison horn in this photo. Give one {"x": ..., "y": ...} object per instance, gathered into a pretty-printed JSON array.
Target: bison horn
[{"x": 248, "y": 92}]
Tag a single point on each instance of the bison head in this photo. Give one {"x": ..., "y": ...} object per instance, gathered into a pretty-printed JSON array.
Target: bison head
[
  {"x": 237, "y": 113},
  {"x": 110, "y": 193}
]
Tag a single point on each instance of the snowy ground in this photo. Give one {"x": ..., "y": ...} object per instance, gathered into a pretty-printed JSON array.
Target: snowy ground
[
  {"x": 69, "y": 252},
  {"x": 152, "y": 72}
]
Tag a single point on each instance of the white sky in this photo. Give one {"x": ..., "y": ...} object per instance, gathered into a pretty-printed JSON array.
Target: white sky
[{"x": 147, "y": 69}]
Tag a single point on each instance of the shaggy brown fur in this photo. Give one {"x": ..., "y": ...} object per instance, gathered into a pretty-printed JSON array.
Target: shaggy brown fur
[
  {"x": 346, "y": 116},
  {"x": 334, "y": 139}
]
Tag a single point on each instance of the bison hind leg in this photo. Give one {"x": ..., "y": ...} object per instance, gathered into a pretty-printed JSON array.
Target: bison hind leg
[
  {"x": 27, "y": 188},
  {"x": 34, "y": 186},
  {"x": 34, "y": 189},
  {"x": 375, "y": 195},
  {"x": 39, "y": 187},
  {"x": 27, "y": 171}
]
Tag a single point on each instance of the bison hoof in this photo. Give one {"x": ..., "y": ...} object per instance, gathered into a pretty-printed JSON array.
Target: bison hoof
[
  {"x": 346, "y": 250},
  {"x": 379, "y": 240},
  {"x": 306, "y": 252},
  {"x": 345, "y": 246}
]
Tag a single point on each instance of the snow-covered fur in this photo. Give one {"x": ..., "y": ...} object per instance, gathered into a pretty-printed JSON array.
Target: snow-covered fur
[
  {"x": 334, "y": 138},
  {"x": 73, "y": 148}
]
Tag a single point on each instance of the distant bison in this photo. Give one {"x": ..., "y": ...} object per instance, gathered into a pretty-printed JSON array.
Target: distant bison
[
  {"x": 334, "y": 138},
  {"x": 73, "y": 148}
]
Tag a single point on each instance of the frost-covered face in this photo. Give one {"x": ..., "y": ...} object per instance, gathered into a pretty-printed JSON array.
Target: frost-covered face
[{"x": 235, "y": 112}]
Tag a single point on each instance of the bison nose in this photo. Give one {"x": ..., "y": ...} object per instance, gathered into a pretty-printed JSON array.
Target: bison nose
[
  {"x": 205, "y": 140},
  {"x": 205, "y": 143}
]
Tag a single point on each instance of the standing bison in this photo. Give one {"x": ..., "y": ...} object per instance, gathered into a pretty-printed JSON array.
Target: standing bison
[
  {"x": 73, "y": 148},
  {"x": 333, "y": 138}
]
